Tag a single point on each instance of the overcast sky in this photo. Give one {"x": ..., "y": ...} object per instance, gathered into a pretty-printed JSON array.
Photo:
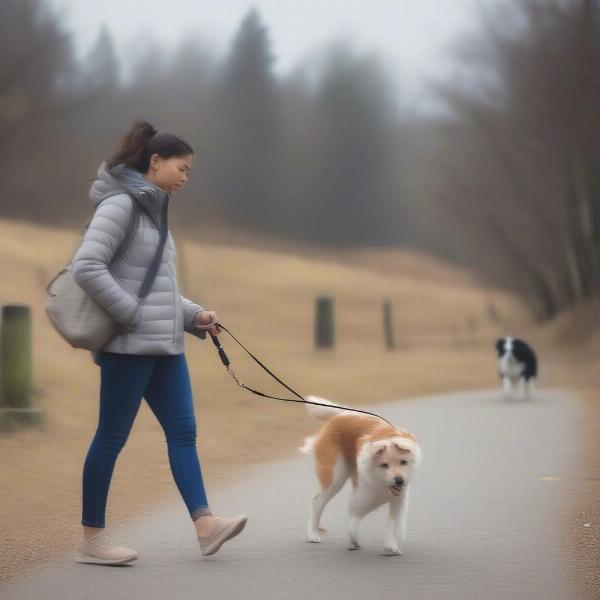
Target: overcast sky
[{"x": 412, "y": 35}]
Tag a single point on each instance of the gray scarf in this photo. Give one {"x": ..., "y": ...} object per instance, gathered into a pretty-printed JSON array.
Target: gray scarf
[{"x": 153, "y": 199}]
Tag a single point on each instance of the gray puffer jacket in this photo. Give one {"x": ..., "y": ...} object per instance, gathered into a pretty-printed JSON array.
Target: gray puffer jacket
[{"x": 112, "y": 275}]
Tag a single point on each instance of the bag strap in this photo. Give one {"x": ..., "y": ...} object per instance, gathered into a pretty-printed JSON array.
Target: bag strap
[{"x": 155, "y": 264}]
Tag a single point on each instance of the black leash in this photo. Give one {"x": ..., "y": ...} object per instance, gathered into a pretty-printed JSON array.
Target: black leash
[{"x": 227, "y": 363}]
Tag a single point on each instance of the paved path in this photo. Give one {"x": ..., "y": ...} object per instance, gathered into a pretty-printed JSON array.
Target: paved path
[{"x": 483, "y": 522}]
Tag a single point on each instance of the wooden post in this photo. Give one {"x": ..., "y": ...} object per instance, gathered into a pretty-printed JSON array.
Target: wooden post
[
  {"x": 15, "y": 368},
  {"x": 324, "y": 327},
  {"x": 388, "y": 327},
  {"x": 494, "y": 315}
]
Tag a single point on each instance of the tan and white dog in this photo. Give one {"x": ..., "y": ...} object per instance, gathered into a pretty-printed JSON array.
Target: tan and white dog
[{"x": 378, "y": 458}]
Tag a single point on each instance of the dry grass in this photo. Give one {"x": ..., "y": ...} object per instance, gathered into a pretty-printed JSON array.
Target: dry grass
[{"x": 266, "y": 296}]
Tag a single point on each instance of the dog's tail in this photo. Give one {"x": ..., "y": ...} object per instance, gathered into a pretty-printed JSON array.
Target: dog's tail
[
  {"x": 322, "y": 412},
  {"x": 309, "y": 444}
]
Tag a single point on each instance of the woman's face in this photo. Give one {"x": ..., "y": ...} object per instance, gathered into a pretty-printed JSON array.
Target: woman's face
[{"x": 170, "y": 174}]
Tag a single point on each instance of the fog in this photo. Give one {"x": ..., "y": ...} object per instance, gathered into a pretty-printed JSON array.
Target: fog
[{"x": 467, "y": 132}]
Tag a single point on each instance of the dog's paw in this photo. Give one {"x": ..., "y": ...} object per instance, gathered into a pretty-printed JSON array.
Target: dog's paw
[
  {"x": 354, "y": 545},
  {"x": 392, "y": 551},
  {"x": 313, "y": 538}
]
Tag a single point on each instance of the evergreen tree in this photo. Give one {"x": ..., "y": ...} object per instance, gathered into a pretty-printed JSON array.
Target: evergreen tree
[
  {"x": 102, "y": 64},
  {"x": 37, "y": 70},
  {"x": 247, "y": 160},
  {"x": 351, "y": 194}
]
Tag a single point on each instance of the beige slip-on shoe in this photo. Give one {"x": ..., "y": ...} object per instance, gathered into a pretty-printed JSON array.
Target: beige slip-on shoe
[
  {"x": 226, "y": 528},
  {"x": 101, "y": 549}
]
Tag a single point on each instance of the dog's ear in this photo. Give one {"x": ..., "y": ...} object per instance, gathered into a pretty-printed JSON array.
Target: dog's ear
[
  {"x": 401, "y": 449},
  {"x": 499, "y": 345},
  {"x": 379, "y": 452},
  {"x": 409, "y": 435}
]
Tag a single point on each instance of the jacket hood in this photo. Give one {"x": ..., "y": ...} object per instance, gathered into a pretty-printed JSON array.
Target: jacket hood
[{"x": 122, "y": 178}]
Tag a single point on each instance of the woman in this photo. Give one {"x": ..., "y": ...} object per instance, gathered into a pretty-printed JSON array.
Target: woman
[{"x": 146, "y": 358}]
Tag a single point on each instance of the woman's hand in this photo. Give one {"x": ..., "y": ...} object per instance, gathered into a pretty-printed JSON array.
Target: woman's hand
[{"x": 207, "y": 320}]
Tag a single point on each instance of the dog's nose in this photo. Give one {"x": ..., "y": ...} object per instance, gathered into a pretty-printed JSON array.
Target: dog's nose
[{"x": 399, "y": 480}]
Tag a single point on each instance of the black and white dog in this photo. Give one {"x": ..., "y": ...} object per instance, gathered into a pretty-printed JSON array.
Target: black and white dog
[{"x": 517, "y": 363}]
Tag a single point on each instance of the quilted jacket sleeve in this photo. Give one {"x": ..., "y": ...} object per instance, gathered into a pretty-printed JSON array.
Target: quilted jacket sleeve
[
  {"x": 101, "y": 241},
  {"x": 190, "y": 310}
]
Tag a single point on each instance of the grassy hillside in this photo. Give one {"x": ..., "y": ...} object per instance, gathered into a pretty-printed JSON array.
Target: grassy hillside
[{"x": 265, "y": 294}]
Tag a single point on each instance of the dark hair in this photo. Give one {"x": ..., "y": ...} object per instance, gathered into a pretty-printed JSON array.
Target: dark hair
[{"x": 142, "y": 141}]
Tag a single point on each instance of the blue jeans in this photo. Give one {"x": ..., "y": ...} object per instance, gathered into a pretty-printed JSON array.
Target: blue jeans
[{"x": 165, "y": 384}]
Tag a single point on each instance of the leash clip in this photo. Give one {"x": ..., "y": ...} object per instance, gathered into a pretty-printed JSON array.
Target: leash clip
[{"x": 228, "y": 369}]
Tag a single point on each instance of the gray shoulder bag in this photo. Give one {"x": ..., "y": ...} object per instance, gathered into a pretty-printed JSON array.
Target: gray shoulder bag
[{"x": 75, "y": 315}]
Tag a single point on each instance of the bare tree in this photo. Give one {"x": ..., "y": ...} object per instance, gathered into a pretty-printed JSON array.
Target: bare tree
[{"x": 533, "y": 126}]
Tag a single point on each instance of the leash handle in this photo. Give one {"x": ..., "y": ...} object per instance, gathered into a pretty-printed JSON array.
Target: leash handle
[{"x": 224, "y": 359}]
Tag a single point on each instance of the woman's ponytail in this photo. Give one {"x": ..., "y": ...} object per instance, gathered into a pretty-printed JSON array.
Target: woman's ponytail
[
  {"x": 142, "y": 141},
  {"x": 134, "y": 150}
]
